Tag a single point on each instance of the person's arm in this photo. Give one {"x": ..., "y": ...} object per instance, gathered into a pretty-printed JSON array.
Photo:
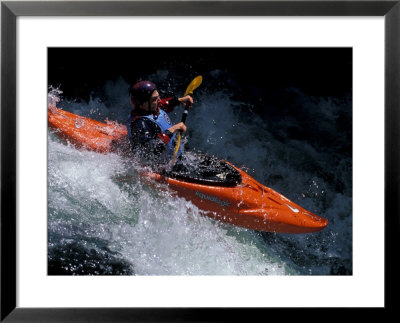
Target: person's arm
[
  {"x": 179, "y": 126},
  {"x": 168, "y": 104},
  {"x": 141, "y": 131},
  {"x": 146, "y": 136},
  {"x": 149, "y": 138}
]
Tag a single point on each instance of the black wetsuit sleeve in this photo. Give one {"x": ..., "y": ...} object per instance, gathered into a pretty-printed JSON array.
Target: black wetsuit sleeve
[{"x": 146, "y": 137}]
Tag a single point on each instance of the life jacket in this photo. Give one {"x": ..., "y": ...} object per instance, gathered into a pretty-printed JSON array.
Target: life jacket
[{"x": 164, "y": 122}]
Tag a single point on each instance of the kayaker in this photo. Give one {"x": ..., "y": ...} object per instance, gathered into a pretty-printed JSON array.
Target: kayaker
[{"x": 150, "y": 129}]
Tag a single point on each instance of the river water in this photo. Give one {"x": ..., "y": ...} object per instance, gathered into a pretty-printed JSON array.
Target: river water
[{"x": 102, "y": 220}]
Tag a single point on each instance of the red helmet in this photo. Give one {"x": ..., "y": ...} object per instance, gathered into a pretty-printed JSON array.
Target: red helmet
[{"x": 141, "y": 92}]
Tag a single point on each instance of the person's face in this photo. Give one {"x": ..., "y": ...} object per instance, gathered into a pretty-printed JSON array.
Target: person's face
[{"x": 155, "y": 102}]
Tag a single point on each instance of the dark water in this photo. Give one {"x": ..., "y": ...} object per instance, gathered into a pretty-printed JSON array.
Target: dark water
[{"x": 283, "y": 114}]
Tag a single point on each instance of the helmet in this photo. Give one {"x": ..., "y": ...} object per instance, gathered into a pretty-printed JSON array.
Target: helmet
[{"x": 141, "y": 92}]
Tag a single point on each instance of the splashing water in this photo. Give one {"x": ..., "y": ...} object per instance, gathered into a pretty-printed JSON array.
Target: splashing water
[
  {"x": 53, "y": 97},
  {"x": 153, "y": 233}
]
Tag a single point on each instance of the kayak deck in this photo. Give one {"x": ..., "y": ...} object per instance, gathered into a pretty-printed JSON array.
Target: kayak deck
[
  {"x": 205, "y": 170},
  {"x": 219, "y": 188}
]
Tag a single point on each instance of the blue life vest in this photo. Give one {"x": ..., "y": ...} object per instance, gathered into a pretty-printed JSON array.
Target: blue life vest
[{"x": 164, "y": 123}]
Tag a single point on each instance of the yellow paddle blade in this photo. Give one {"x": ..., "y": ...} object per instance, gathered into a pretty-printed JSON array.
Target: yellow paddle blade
[{"x": 194, "y": 85}]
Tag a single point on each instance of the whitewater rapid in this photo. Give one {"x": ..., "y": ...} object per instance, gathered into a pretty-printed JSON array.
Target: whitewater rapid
[{"x": 103, "y": 220}]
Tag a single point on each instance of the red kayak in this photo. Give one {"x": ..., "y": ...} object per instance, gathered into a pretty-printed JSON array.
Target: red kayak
[{"x": 217, "y": 187}]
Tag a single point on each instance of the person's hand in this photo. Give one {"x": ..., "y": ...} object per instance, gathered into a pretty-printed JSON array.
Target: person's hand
[
  {"x": 186, "y": 100},
  {"x": 176, "y": 127}
]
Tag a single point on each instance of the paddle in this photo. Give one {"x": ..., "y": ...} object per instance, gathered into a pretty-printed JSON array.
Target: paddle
[{"x": 189, "y": 91}]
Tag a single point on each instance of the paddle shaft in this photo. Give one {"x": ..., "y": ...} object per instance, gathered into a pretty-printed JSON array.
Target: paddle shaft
[
  {"x": 189, "y": 91},
  {"x": 184, "y": 114},
  {"x": 179, "y": 135}
]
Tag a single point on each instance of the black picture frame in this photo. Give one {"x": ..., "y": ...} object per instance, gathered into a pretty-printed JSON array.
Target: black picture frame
[{"x": 10, "y": 10}]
